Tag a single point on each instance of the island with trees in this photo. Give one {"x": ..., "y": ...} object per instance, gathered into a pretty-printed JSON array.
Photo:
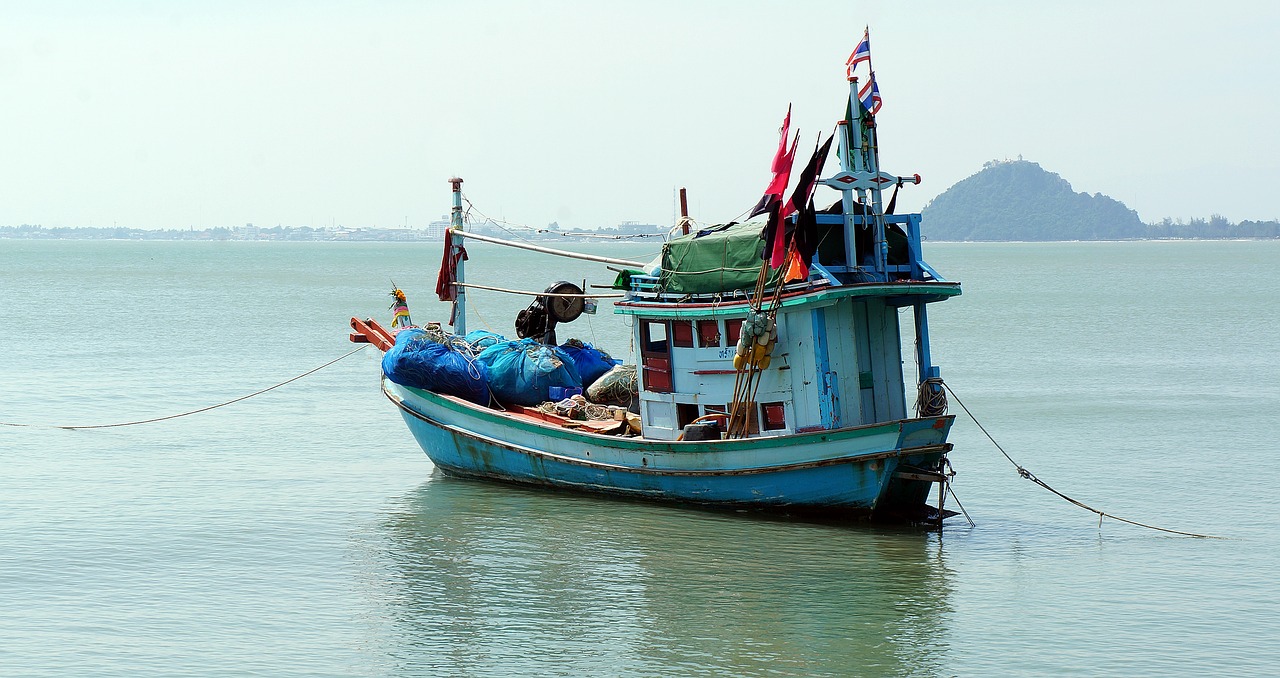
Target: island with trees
[{"x": 1019, "y": 200}]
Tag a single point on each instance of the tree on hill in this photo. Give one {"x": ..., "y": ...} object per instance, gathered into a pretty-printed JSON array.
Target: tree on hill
[{"x": 1019, "y": 200}]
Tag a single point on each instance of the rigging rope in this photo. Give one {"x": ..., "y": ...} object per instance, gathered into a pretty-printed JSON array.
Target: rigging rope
[
  {"x": 509, "y": 225},
  {"x": 203, "y": 409},
  {"x": 542, "y": 294},
  {"x": 1022, "y": 471}
]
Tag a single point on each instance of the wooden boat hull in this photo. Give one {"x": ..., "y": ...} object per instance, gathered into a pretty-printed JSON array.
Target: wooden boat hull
[{"x": 852, "y": 470}]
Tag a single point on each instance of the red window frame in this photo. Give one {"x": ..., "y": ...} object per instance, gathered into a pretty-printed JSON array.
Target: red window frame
[
  {"x": 682, "y": 333},
  {"x": 708, "y": 333},
  {"x": 655, "y": 356},
  {"x": 733, "y": 330},
  {"x": 775, "y": 416}
]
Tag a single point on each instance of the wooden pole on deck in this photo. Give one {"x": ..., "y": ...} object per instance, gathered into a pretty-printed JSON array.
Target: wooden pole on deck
[{"x": 684, "y": 212}]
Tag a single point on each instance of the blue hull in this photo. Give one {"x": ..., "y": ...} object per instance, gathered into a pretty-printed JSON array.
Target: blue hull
[{"x": 851, "y": 470}]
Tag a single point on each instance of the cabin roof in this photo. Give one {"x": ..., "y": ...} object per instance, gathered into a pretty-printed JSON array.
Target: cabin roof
[{"x": 900, "y": 293}]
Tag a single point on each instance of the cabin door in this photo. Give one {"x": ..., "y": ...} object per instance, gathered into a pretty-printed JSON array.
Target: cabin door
[{"x": 879, "y": 361}]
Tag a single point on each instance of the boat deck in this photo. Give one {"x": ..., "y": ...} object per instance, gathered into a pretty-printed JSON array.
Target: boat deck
[{"x": 609, "y": 427}]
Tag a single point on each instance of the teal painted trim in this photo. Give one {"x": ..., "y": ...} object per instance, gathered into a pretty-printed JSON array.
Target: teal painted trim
[
  {"x": 676, "y": 447},
  {"x": 699, "y": 473},
  {"x": 824, "y": 297},
  {"x": 460, "y": 300}
]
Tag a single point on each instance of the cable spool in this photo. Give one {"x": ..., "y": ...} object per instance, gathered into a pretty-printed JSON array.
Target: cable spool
[
  {"x": 561, "y": 308},
  {"x": 540, "y": 318}
]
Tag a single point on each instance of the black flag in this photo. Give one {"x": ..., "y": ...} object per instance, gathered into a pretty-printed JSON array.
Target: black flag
[{"x": 808, "y": 178}]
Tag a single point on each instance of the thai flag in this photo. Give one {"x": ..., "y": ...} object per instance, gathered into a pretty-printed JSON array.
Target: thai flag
[
  {"x": 860, "y": 54},
  {"x": 869, "y": 95}
]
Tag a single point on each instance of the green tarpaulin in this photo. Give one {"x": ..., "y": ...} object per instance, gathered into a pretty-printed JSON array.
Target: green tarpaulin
[{"x": 721, "y": 261}]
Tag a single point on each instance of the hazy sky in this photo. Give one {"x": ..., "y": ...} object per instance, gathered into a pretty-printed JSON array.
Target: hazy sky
[{"x": 218, "y": 113}]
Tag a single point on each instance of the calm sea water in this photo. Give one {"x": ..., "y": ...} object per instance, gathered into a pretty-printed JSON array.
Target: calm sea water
[{"x": 303, "y": 532}]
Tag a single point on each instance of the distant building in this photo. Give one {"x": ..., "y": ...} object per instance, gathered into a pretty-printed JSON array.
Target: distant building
[
  {"x": 636, "y": 228},
  {"x": 436, "y": 229}
]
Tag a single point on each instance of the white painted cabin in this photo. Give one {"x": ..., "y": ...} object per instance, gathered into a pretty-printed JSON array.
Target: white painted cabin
[{"x": 837, "y": 363}]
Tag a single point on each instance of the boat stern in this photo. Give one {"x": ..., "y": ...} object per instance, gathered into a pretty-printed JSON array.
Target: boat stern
[{"x": 922, "y": 465}]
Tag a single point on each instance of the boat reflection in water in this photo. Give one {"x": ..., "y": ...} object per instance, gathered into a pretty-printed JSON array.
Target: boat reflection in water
[{"x": 486, "y": 579}]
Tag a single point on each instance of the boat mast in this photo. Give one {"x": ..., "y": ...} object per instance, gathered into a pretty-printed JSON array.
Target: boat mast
[
  {"x": 851, "y": 162},
  {"x": 860, "y": 162},
  {"x": 460, "y": 312},
  {"x": 872, "y": 152}
]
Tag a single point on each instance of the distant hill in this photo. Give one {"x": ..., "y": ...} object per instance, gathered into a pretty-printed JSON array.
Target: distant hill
[{"x": 1019, "y": 200}]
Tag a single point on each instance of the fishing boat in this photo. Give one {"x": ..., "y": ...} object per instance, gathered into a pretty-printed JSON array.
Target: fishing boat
[{"x": 768, "y": 368}]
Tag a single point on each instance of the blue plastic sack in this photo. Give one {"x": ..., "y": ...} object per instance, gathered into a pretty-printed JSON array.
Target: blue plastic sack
[
  {"x": 522, "y": 372},
  {"x": 420, "y": 362},
  {"x": 479, "y": 340},
  {"x": 590, "y": 361}
]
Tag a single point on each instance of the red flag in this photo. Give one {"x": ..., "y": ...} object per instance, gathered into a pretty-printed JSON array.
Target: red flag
[
  {"x": 781, "y": 168},
  {"x": 448, "y": 275}
]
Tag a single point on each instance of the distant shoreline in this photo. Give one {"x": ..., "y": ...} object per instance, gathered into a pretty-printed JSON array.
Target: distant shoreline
[
  {"x": 1033, "y": 242},
  {"x": 577, "y": 239},
  {"x": 249, "y": 233}
]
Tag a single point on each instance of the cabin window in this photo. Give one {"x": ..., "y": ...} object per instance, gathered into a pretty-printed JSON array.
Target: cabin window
[
  {"x": 717, "y": 409},
  {"x": 708, "y": 333},
  {"x": 654, "y": 339},
  {"x": 775, "y": 416},
  {"x": 655, "y": 356},
  {"x": 682, "y": 333},
  {"x": 685, "y": 414},
  {"x": 733, "y": 330}
]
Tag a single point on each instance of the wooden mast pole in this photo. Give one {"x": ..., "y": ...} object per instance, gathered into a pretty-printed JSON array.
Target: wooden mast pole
[{"x": 684, "y": 212}]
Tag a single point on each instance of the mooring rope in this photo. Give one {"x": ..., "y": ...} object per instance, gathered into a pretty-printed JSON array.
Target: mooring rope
[
  {"x": 203, "y": 409},
  {"x": 1022, "y": 471}
]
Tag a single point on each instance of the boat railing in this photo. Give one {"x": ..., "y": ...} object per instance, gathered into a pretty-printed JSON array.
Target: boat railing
[{"x": 866, "y": 270}]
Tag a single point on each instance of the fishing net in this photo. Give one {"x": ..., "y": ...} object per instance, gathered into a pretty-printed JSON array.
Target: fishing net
[
  {"x": 522, "y": 372},
  {"x": 590, "y": 361},
  {"x": 420, "y": 360},
  {"x": 619, "y": 386}
]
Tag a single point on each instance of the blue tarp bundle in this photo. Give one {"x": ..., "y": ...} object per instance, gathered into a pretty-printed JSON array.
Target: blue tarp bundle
[
  {"x": 479, "y": 340},
  {"x": 522, "y": 372},
  {"x": 590, "y": 361},
  {"x": 420, "y": 362}
]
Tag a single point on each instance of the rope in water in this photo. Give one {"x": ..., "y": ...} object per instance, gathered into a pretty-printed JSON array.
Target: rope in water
[
  {"x": 1022, "y": 471},
  {"x": 203, "y": 409}
]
